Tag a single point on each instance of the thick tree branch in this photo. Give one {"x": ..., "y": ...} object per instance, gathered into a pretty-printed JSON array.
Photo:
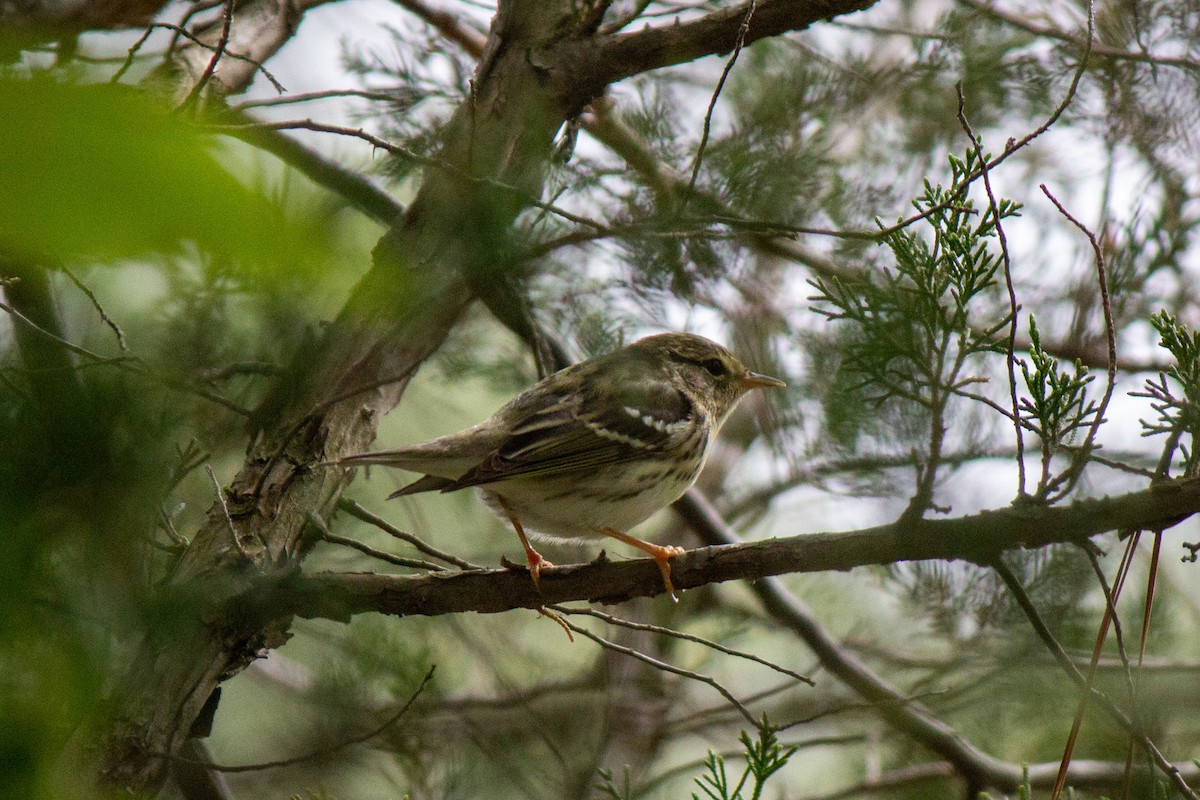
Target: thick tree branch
[
  {"x": 599, "y": 62},
  {"x": 349, "y": 184},
  {"x": 977, "y": 538}
]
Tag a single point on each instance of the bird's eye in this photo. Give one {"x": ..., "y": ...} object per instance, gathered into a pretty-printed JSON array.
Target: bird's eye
[{"x": 715, "y": 366}]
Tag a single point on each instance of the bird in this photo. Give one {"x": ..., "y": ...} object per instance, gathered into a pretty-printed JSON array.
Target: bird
[{"x": 591, "y": 450}]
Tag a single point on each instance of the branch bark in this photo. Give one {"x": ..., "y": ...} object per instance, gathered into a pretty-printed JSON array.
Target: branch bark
[
  {"x": 976, "y": 537},
  {"x": 608, "y": 59}
]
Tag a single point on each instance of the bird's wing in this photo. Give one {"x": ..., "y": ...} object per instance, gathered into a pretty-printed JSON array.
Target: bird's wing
[{"x": 619, "y": 419}]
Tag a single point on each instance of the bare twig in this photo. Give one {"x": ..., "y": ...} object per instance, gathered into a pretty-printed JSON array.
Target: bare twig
[
  {"x": 1071, "y": 475},
  {"x": 687, "y": 637},
  {"x": 130, "y": 364},
  {"x": 195, "y": 8},
  {"x": 355, "y": 510},
  {"x": 1010, "y": 355},
  {"x": 344, "y": 541},
  {"x": 654, "y": 662},
  {"x": 211, "y": 67},
  {"x": 404, "y": 152},
  {"x": 191, "y": 37},
  {"x": 305, "y": 97},
  {"x": 116, "y": 329},
  {"x": 712, "y": 104},
  {"x": 1110, "y": 602},
  {"x": 351, "y": 185},
  {"x": 133, "y": 50},
  {"x": 220, "y": 493}
]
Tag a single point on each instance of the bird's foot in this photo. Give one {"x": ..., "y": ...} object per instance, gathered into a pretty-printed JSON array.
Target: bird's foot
[
  {"x": 536, "y": 562},
  {"x": 662, "y": 555},
  {"x": 562, "y": 623}
]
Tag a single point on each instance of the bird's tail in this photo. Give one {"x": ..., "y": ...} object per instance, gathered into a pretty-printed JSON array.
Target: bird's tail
[
  {"x": 429, "y": 483},
  {"x": 383, "y": 458},
  {"x": 413, "y": 459}
]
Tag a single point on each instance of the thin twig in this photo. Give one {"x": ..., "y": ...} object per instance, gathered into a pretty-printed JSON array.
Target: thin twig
[
  {"x": 1111, "y": 602},
  {"x": 131, "y": 55},
  {"x": 305, "y": 97},
  {"x": 688, "y": 637},
  {"x": 654, "y": 662},
  {"x": 353, "y": 186},
  {"x": 414, "y": 563},
  {"x": 211, "y": 67},
  {"x": 400, "y": 561},
  {"x": 189, "y": 12},
  {"x": 104, "y": 317},
  {"x": 191, "y": 37},
  {"x": 404, "y": 152},
  {"x": 355, "y": 510},
  {"x": 225, "y": 511},
  {"x": 1010, "y": 356},
  {"x": 712, "y": 104},
  {"x": 1071, "y": 475},
  {"x": 862, "y": 705},
  {"x": 131, "y": 364}
]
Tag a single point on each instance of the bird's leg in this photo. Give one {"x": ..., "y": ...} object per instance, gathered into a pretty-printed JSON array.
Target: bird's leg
[
  {"x": 662, "y": 555},
  {"x": 536, "y": 561}
]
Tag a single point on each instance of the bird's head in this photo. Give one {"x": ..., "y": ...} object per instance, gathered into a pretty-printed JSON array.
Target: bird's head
[{"x": 707, "y": 372}]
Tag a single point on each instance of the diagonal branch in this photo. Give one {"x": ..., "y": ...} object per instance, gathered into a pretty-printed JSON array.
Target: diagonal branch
[{"x": 907, "y": 715}]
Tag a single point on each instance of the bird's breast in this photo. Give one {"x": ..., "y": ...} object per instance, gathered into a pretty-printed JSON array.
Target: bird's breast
[{"x": 575, "y": 506}]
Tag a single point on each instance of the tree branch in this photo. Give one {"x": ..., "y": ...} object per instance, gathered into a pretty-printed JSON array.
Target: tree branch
[
  {"x": 976, "y": 537},
  {"x": 608, "y": 59},
  {"x": 907, "y": 715}
]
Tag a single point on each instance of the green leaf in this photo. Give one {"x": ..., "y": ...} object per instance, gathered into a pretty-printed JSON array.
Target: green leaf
[{"x": 104, "y": 172}]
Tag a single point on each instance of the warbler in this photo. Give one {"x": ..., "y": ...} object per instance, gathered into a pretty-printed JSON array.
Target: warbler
[{"x": 593, "y": 449}]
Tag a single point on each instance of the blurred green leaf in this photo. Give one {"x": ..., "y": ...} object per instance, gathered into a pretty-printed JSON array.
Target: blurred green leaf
[{"x": 104, "y": 171}]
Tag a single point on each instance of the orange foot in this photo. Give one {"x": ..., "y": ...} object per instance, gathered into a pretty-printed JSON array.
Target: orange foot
[
  {"x": 662, "y": 555},
  {"x": 562, "y": 623},
  {"x": 536, "y": 561}
]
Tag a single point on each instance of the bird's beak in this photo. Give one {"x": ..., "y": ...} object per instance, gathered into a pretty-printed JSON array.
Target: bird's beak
[{"x": 753, "y": 380}]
